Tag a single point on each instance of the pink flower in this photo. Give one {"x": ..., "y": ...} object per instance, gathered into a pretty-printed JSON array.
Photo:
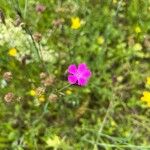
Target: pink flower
[{"x": 78, "y": 75}]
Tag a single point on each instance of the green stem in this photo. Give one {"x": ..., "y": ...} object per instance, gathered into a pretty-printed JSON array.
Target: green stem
[
  {"x": 25, "y": 8},
  {"x": 103, "y": 123},
  {"x": 26, "y": 28},
  {"x": 119, "y": 145},
  {"x": 64, "y": 87}
]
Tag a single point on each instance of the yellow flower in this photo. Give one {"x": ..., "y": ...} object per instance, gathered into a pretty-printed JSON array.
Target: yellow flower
[
  {"x": 76, "y": 22},
  {"x": 146, "y": 98},
  {"x": 32, "y": 92},
  {"x": 100, "y": 40},
  {"x": 42, "y": 98},
  {"x": 54, "y": 142},
  {"x": 113, "y": 123},
  {"x": 137, "y": 47},
  {"x": 12, "y": 52},
  {"x": 114, "y": 1},
  {"x": 119, "y": 78},
  {"x": 137, "y": 29},
  {"x": 148, "y": 81},
  {"x": 68, "y": 92}
]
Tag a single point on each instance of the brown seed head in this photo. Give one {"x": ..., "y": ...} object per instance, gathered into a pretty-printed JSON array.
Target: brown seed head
[
  {"x": 147, "y": 42},
  {"x": 58, "y": 22},
  {"x": 7, "y": 76},
  {"x": 9, "y": 97},
  {"x": 43, "y": 75},
  {"x": 40, "y": 91},
  {"x": 53, "y": 98},
  {"x": 37, "y": 37},
  {"x": 48, "y": 81},
  {"x": 40, "y": 8}
]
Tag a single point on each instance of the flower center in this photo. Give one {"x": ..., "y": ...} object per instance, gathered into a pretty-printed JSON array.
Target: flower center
[{"x": 78, "y": 74}]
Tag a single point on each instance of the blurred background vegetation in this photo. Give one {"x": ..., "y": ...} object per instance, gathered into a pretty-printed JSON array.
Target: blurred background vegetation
[{"x": 39, "y": 40}]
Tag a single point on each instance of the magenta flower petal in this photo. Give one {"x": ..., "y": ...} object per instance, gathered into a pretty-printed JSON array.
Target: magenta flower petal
[
  {"x": 79, "y": 75},
  {"x": 72, "y": 69},
  {"x": 87, "y": 73},
  {"x": 82, "y": 81},
  {"x": 72, "y": 79},
  {"x": 82, "y": 67}
]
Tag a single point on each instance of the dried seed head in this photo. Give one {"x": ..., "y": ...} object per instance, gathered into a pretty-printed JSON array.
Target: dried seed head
[
  {"x": 57, "y": 22},
  {"x": 53, "y": 98},
  {"x": 7, "y": 76},
  {"x": 62, "y": 10},
  {"x": 40, "y": 8},
  {"x": 43, "y": 75},
  {"x": 147, "y": 42},
  {"x": 48, "y": 81},
  {"x": 17, "y": 21},
  {"x": 40, "y": 91},
  {"x": 9, "y": 97},
  {"x": 131, "y": 41},
  {"x": 37, "y": 37},
  {"x": 19, "y": 98}
]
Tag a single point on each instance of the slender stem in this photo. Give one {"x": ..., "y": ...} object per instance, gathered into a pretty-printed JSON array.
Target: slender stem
[
  {"x": 103, "y": 123},
  {"x": 25, "y": 8},
  {"x": 120, "y": 145},
  {"x": 64, "y": 87},
  {"x": 46, "y": 105},
  {"x": 27, "y": 29},
  {"x": 118, "y": 7},
  {"x": 34, "y": 43},
  {"x": 41, "y": 57}
]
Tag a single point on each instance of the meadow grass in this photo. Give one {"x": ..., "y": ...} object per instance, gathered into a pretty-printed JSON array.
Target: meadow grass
[{"x": 39, "y": 109}]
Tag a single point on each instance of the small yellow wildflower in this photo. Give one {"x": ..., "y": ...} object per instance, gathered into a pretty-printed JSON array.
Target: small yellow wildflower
[
  {"x": 68, "y": 92},
  {"x": 146, "y": 98},
  {"x": 76, "y": 22},
  {"x": 12, "y": 52},
  {"x": 54, "y": 142},
  {"x": 114, "y": 1},
  {"x": 113, "y": 123},
  {"x": 137, "y": 47},
  {"x": 42, "y": 98},
  {"x": 56, "y": 72},
  {"x": 148, "y": 81},
  {"x": 137, "y": 62},
  {"x": 137, "y": 29},
  {"x": 119, "y": 78},
  {"x": 126, "y": 133},
  {"x": 100, "y": 40},
  {"x": 32, "y": 92}
]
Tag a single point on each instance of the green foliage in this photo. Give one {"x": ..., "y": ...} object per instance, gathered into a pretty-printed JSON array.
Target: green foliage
[{"x": 38, "y": 110}]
